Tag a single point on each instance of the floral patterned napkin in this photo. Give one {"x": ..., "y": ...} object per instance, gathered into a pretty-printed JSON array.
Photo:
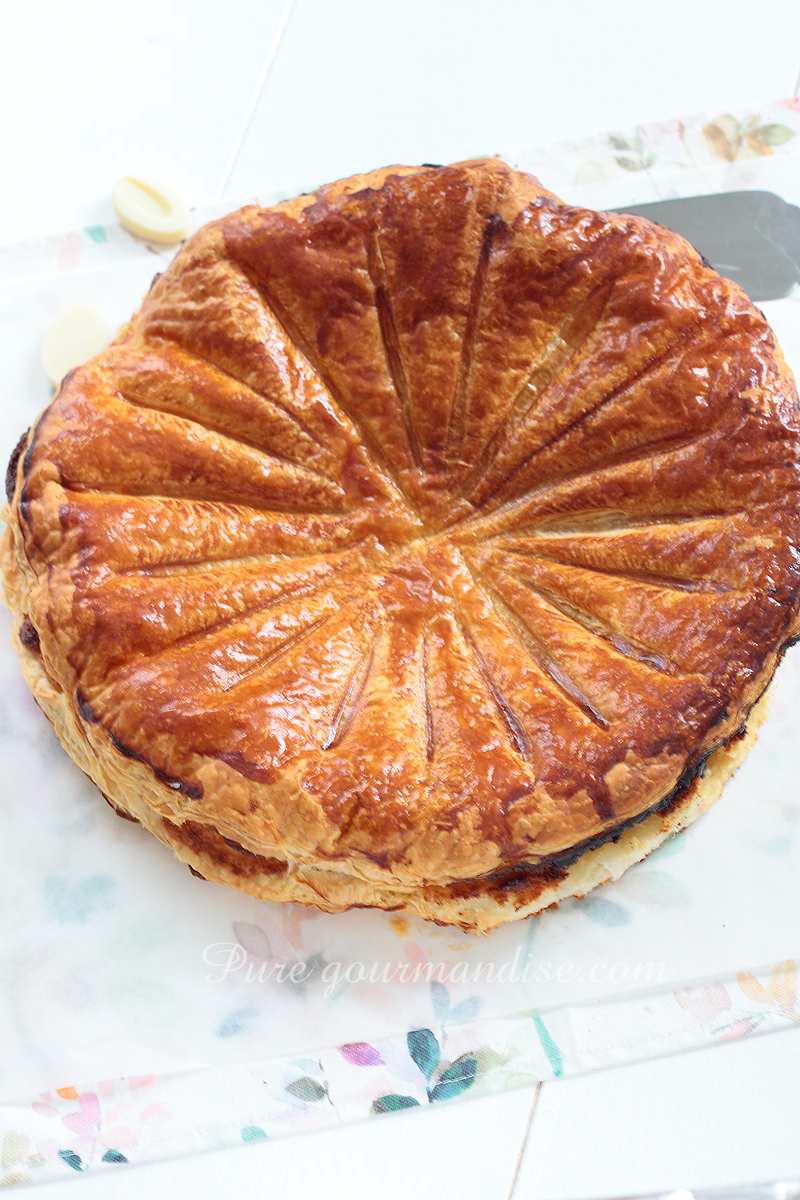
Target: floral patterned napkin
[
  {"x": 198, "y": 1007},
  {"x": 689, "y": 156},
  {"x": 145, "y": 1118}
]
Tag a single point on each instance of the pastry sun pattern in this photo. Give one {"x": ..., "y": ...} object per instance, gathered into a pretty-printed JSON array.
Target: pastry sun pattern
[{"x": 449, "y": 499}]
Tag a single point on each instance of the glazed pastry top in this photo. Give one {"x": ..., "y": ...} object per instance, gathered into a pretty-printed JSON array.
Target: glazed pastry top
[{"x": 425, "y": 523}]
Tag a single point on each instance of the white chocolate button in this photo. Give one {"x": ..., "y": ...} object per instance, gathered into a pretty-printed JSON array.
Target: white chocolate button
[
  {"x": 77, "y": 334},
  {"x": 151, "y": 210}
]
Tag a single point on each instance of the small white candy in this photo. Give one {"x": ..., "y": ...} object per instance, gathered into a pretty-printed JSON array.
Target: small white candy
[
  {"x": 76, "y": 335},
  {"x": 151, "y": 210}
]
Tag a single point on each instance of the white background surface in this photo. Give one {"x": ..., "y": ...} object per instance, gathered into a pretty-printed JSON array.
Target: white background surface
[{"x": 90, "y": 91}]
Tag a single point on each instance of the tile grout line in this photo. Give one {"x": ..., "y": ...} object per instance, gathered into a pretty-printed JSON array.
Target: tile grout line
[
  {"x": 525, "y": 1139},
  {"x": 248, "y": 116}
]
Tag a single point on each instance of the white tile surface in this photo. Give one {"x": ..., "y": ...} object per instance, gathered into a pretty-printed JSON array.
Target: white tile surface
[
  {"x": 726, "y": 1115},
  {"x": 358, "y": 84},
  {"x": 92, "y": 91}
]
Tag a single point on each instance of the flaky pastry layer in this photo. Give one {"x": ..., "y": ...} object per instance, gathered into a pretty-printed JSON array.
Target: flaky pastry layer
[{"x": 223, "y": 861}]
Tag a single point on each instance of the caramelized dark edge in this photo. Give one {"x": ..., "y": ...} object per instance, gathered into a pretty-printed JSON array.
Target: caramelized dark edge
[
  {"x": 29, "y": 636},
  {"x": 193, "y": 790},
  {"x": 126, "y": 816},
  {"x": 205, "y": 839},
  {"x": 533, "y": 878},
  {"x": 13, "y": 463}
]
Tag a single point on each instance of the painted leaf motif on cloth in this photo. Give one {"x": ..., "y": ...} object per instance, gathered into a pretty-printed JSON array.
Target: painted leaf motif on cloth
[
  {"x": 393, "y": 1103},
  {"x": 550, "y": 1048},
  {"x": 113, "y": 1156},
  {"x": 253, "y": 939},
  {"x": 440, "y": 998},
  {"x": 307, "y": 1089},
  {"x": 360, "y": 1054},
  {"x": 16, "y": 1146},
  {"x": 424, "y": 1049},
  {"x": 783, "y": 984},
  {"x": 456, "y": 1079},
  {"x": 71, "y": 1159},
  {"x": 252, "y": 1133}
]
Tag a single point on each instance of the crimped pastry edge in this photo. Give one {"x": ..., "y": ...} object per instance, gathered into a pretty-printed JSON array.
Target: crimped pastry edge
[{"x": 124, "y": 783}]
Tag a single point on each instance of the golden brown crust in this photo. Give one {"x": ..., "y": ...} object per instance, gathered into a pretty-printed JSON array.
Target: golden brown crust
[
  {"x": 478, "y": 906},
  {"x": 413, "y": 530}
]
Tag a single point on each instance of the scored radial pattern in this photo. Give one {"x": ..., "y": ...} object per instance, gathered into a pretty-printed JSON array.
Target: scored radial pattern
[{"x": 440, "y": 498}]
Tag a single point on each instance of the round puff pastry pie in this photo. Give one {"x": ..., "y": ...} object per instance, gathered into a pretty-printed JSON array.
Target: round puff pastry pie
[{"x": 423, "y": 543}]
